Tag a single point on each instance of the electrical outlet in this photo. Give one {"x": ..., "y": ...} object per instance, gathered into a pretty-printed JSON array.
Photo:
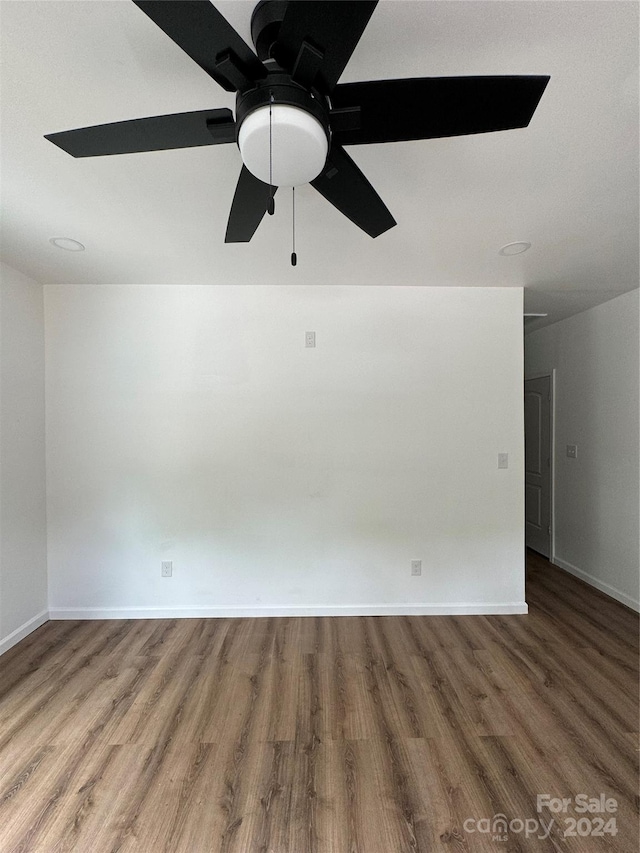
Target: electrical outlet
[
  {"x": 166, "y": 569},
  {"x": 309, "y": 339},
  {"x": 572, "y": 451},
  {"x": 416, "y": 567}
]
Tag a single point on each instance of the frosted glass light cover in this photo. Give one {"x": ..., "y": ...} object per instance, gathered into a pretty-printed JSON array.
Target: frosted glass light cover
[{"x": 299, "y": 145}]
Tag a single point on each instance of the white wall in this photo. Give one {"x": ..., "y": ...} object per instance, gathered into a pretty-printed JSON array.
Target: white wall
[
  {"x": 190, "y": 424},
  {"x": 596, "y": 358},
  {"x": 23, "y": 542}
]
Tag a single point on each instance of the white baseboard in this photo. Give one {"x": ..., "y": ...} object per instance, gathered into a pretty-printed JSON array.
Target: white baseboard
[
  {"x": 23, "y": 631},
  {"x": 609, "y": 590},
  {"x": 225, "y": 612}
]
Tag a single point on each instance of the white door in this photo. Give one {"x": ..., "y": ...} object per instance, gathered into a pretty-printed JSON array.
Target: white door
[{"x": 537, "y": 442}]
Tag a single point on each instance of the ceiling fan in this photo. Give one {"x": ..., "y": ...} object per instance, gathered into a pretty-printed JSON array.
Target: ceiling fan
[{"x": 293, "y": 119}]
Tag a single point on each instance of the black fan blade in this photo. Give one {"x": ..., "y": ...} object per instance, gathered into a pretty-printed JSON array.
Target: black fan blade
[
  {"x": 249, "y": 205},
  {"x": 332, "y": 27},
  {"x": 158, "y": 133},
  {"x": 343, "y": 184},
  {"x": 208, "y": 38},
  {"x": 431, "y": 107}
]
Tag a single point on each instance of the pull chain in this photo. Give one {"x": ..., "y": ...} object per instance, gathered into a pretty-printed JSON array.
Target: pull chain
[
  {"x": 271, "y": 207},
  {"x": 294, "y": 257}
]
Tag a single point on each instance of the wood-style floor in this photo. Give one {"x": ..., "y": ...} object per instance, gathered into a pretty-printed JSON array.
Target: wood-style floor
[{"x": 322, "y": 735}]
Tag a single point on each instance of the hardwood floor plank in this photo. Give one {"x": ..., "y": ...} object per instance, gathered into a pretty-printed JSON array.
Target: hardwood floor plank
[
  {"x": 482, "y": 704},
  {"x": 359, "y": 721}
]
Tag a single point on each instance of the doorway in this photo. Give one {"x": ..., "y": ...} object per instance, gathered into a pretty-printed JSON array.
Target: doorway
[{"x": 538, "y": 463}]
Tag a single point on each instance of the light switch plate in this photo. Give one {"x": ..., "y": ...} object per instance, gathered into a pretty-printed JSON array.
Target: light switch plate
[{"x": 503, "y": 460}]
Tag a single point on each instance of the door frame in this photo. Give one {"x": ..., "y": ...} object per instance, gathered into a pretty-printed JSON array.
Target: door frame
[{"x": 551, "y": 374}]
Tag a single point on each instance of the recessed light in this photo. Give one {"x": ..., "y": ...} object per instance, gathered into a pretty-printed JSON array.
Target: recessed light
[
  {"x": 516, "y": 248},
  {"x": 67, "y": 243}
]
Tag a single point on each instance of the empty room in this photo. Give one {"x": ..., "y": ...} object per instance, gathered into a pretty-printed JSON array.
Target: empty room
[{"x": 319, "y": 426}]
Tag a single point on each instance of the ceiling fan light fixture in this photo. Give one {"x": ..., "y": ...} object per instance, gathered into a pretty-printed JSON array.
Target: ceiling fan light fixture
[{"x": 298, "y": 149}]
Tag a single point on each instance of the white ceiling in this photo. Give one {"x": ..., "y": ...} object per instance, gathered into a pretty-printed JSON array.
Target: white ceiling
[{"x": 568, "y": 184}]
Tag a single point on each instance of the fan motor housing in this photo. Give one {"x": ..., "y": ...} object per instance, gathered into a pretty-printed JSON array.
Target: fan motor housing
[{"x": 279, "y": 88}]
